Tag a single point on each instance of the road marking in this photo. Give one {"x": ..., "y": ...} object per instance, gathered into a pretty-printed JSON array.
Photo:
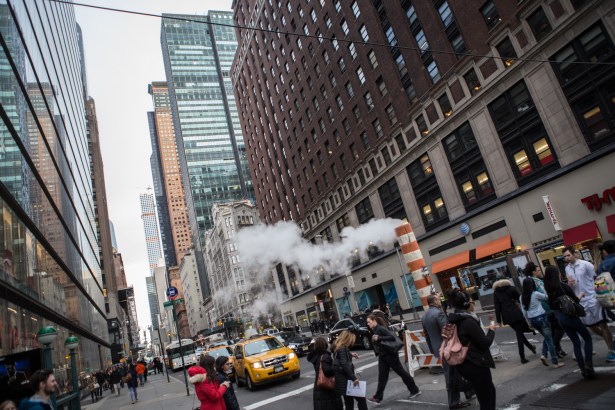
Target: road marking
[
  {"x": 422, "y": 402},
  {"x": 553, "y": 387},
  {"x": 279, "y": 397},
  {"x": 512, "y": 407}
]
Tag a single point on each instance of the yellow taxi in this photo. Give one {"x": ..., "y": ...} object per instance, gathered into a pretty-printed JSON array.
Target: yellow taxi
[
  {"x": 262, "y": 360},
  {"x": 223, "y": 350}
]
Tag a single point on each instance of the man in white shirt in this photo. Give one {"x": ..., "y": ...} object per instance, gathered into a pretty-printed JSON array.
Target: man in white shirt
[{"x": 581, "y": 275}]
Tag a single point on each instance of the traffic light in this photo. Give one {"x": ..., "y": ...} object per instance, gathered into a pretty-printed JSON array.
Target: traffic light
[
  {"x": 220, "y": 323},
  {"x": 169, "y": 334}
]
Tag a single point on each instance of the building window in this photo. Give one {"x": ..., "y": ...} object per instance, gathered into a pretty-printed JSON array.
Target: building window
[
  {"x": 342, "y": 222},
  {"x": 432, "y": 69},
  {"x": 490, "y": 14},
  {"x": 345, "y": 27},
  {"x": 332, "y": 80},
  {"x": 391, "y": 201},
  {"x": 445, "y": 105},
  {"x": 377, "y": 128},
  {"x": 356, "y": 113},
  {"x": 420, "y": 170},
  {"x": 427, "y": 193},
  {"x": 386, "y": 156},
  {"x": 340, "y": 103},
  {"x": 364, "y": 211},
  {"x": 401, "y": 144},
  {"x": 391, "y": 114},
  {"x": 365, "y": 140},
  {"x": 368, "y": 101},
  {"x": 472, "y": 81},
  {"x": 522, "y": 134},
  {"x": 355, "y": 9},
  {"x": 363, "y": 33},
  {"x": 341, "y": 64},
  {"x": 381, "y": 86},
  {"x": 352, "y": 50},
  {"x": 468, "y": 167},
  {"x": 539, "y": 23},
  {"x": 372, "y": 59},
  {"x": 360, "y": 75},
  {"x": 422, "y": 125},
  {"x": 507, "y": 52},
  {"x": 446, "y": 15}
]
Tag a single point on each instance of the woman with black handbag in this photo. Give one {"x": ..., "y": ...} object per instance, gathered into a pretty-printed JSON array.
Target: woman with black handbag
[
  {"x": 561, "y": 297},
  {"x": 387, "y": 346},
  {"x": 324, "y": 396}
]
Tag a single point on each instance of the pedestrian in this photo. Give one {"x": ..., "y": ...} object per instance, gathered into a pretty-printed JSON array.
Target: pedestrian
[
  {"x": 398, "y": 309},
  {"x": 132, "y": 381},
  {"x": 8, "y": 405},
  {"x": 92, "y": 388},
  {"x": 581, "y": 275},
  {"x": 607, "y": 264},
  {"x": 146, "y": 370},
  {"x": 476, "y": 368},
  {"x": 321, "y": 326},
  {"x": 387, "y": 310},
  {"x": 557, "y": 332},
  {"x": 100, "y": 381},
  {"x": 573, "y": 326},
  {"x": 206, "y": 386},
  {"x": 140, "y": 369},
  {"x": 344, "y": 369},
  {"x": 433, "y": 321},
  {"x": 531, "y": 301},
  {"x": 324, "y": 399},
  {"x": 442, "y": 301},
  {"x": 115, "y": 380},
  {"x": 223, "y": 368},
  {"x": 508, "y": 312},
  {"x": 44, "y": 384},
  {"x": 388, "y": 359}
]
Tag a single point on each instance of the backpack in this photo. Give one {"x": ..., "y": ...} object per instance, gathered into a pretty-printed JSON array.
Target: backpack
[{"x": 451, "y": 350}]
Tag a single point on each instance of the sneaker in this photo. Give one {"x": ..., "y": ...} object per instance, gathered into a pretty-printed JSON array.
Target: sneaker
[
  {"x": 413, "y": 395},
  {"x": 374, "y": 400},
  {"x": 610, "y": 358},
  {"x": 561, "y": 354},
  {"x": 460, "y": 405},
  {"x": 524, "y": 361},
  {"x": 544, "y": 361},
  {"x": 558, "y": 365}
]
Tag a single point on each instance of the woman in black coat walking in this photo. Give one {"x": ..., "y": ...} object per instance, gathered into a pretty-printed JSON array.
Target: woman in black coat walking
[
  {"x": 508, "y": 311},
  {"x": 476, "y": 368},
  {"x": 344, "y": 369},
  {"x": 324, "y": 399},
  {"x": 230, "y": 400}
]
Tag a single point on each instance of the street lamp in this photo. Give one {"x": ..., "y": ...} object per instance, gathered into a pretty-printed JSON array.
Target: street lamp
[
  {"x": 71, "y": 344},
  {"x": 47, "y": 335}
]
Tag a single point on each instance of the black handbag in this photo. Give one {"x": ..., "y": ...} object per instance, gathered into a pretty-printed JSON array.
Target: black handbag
[
  {"x": 392, "y": 345},
  {"x": 570, "y": 307}
]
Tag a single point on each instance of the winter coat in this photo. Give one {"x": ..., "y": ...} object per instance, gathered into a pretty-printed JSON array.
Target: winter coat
[
  {"x": 210, "y": 394},
  {"x": 140, "y": 368},
  {"x": 230, "y": 400},
  {"x": 506, "y": 301},
  {"x": 344, "y": 369},
  {"x": 35, "y": 402},
  {"x": 134, "y": 381},
  {"x": 433, "y": 321},
  {"x": 384, "y": 335},
  {"x": 324, "y": 399},
  {"x": 115, "y": 377},
  {"x": 471, "y": 334}
]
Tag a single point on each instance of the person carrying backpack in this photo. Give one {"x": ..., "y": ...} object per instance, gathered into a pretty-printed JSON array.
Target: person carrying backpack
[{"x": 477, "y": 363}]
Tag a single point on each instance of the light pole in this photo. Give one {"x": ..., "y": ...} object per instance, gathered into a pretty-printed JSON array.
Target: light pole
[
  {"x": 47, "y": 335},
  {"x": 71, "y": 344}
]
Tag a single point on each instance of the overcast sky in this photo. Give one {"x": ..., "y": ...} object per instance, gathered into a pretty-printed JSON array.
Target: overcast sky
[{"x": 123, "y": 56}]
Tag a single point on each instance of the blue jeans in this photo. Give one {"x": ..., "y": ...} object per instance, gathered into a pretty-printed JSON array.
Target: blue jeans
[
  {"x": 542, "y": 324},
  {"x": 133, "y": 393},
  {"x": 573, "y": 328}
]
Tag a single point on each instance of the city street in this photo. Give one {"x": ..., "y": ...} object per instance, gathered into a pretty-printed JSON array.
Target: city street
[{"x": 518, "y": 386}]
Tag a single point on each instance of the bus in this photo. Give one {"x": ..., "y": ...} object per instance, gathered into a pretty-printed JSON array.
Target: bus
[{"x": 174, "y": 355}]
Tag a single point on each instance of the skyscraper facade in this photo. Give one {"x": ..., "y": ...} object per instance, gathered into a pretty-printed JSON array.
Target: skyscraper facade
[
  {"x": 168, "y": 185},
  {"x": 150, "y": 228},
  {"x": 456, "y": 116},
  {"x": 48, "y": 235},
  {"x": 197, "y": 58}
]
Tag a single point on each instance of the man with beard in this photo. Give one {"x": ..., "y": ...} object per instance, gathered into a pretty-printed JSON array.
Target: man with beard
[{"x": 44, "y": 384}]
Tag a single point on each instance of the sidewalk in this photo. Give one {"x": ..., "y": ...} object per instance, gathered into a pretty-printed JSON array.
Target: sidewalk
[{"x": 157, "y": 394}]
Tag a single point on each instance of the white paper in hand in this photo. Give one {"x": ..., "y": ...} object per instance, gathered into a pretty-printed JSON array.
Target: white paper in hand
[{"x": 360, "y": 390}]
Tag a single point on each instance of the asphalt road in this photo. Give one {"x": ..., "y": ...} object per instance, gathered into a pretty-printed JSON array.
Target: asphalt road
[{"x": 514, "y": 381}]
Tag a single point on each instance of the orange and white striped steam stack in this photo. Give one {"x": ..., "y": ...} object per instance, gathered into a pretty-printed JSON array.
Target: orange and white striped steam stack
[{"x": 414, "y": 260}]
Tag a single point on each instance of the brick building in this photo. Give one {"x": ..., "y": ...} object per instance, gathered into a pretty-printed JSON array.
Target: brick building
[{"x": 383, "y": 114}]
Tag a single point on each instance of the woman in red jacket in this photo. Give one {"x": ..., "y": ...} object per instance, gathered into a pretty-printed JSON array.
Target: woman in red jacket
[{"x": 206, "y": 386}]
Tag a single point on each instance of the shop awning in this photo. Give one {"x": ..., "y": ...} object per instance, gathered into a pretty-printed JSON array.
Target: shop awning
[
  {"x": 450, "y": 262},
  {"x": 489, "y": 248},
  {"x": 580, "y": 233},
  {"x": 610, "y": 223}
]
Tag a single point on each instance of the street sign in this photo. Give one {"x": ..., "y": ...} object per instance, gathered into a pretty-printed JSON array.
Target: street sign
[
  {"x": 173, "y": 302},
  {"x": 167, "y": 304},
  {"x": 172, "y": 292}
]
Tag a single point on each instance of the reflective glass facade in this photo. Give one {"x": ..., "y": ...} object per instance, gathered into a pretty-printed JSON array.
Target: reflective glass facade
[
  {"x": 197, "y": 58},
  {"x": 51, "y": 270}
]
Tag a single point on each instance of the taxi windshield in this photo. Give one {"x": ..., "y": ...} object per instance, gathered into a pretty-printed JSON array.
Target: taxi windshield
[
  {"x": 261, "y": 346},
  {"x": 222, "y": 351}
]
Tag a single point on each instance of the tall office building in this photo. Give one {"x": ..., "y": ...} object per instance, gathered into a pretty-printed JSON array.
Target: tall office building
[
  {"x": 152, "y": 298},
  {"x": 197, "y": 58},
  {"x": 49, "y": 242},
  {"x": 387, "y": 116},
  {"x": 168, "y": 185},
  {"x": 150, "y": 227}
]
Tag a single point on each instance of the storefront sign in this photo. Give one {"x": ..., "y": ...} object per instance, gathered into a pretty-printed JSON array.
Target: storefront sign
[
  {"x": 551, "y": 213},
  {"x": 595, "y": 201}
]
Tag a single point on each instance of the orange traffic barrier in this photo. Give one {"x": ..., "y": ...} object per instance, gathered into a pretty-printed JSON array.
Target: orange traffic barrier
[{"x": 414, "y": 260}]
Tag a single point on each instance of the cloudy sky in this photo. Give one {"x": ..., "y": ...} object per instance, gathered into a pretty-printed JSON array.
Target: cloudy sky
[{"x": 123, "y": 55}]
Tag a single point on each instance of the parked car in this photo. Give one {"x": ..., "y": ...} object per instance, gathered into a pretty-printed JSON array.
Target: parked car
[
  {"x": 358, "y": 326},
  {"x": 263, "y": 360},
  {"x": 299, "y": 343}
]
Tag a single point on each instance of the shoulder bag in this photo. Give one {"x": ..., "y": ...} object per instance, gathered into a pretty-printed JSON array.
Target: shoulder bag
[
  {"x": 324, "y": 382},
  {"x": 570, "y": 307}
]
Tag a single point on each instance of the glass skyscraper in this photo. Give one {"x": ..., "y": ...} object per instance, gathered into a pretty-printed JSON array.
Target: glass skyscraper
[
  {"x": 51, "y": 272},
  {"x": 197, "y": 58}
]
